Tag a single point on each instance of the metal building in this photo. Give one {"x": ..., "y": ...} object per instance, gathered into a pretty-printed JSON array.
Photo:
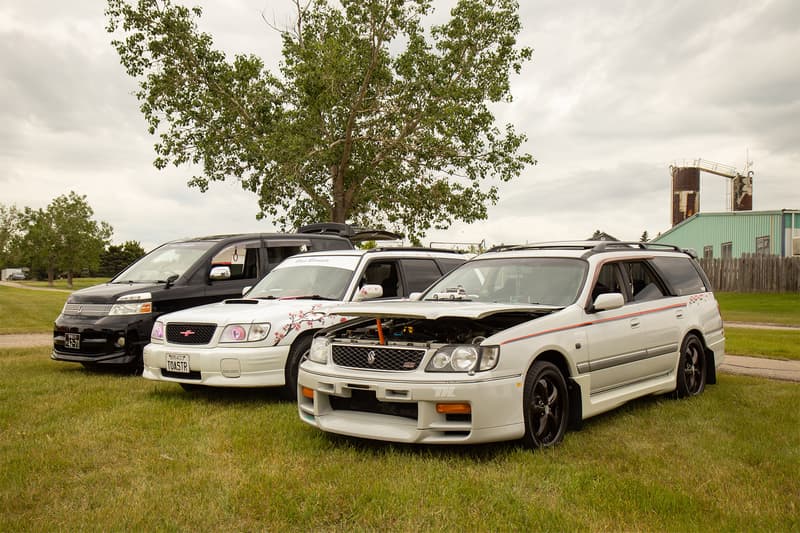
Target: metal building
[{"x": 732, "y": 234}]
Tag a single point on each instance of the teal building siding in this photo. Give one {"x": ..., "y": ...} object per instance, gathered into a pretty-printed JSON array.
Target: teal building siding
[{"x": 743, "y": 232}]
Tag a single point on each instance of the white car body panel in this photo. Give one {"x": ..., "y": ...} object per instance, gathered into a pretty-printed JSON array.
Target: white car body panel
[{"x": 612, "y": 357}]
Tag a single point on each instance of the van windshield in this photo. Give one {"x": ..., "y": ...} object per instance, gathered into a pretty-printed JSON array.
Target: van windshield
[{"x": 168, "y": 260}]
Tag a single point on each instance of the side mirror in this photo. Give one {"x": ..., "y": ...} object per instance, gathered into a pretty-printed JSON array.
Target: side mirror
[
  {"x": 608, "y": 301},
  {"x": 245, "y": 290},
  {"x": 368, "y": 292},
  {"x": 415, "y": 296},
  {"x": 219, "y": 273}
]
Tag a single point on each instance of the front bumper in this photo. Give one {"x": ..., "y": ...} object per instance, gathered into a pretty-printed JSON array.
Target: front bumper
[
  {"x": 219, "y": 366},
  {"x": 103, "y": 340},
  {"x": 385, "y": 406}
]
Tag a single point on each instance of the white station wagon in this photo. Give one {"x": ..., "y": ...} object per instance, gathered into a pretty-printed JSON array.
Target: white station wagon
[{"x": 517, "y": 343}]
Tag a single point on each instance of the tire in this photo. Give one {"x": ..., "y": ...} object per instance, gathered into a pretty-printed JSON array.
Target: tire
[
  {"x": 191, "y": 387},
  {"x": 297, "y": 354},
  {"x": 545, "y": 405},
  {"x": 692, "y": 368}
]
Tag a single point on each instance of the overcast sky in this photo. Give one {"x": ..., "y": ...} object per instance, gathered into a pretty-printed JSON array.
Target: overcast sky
[{"x": 616, "y": 92}]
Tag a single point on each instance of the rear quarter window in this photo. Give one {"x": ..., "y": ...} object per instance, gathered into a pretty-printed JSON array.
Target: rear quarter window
[{"x": 681, "y": 274}]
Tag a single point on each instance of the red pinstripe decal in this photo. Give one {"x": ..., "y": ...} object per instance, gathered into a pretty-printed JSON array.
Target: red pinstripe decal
[{"x": 593, "y": 322}]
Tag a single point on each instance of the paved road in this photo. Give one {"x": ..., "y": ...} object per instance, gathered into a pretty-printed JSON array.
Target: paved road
[{"x": 734, "y": 364}]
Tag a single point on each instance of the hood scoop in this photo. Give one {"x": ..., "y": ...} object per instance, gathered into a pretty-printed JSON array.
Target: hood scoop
[{"x": 242, "y": 301}]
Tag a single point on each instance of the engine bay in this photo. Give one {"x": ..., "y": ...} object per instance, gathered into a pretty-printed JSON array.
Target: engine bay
[{"x": 413, "y": 331}]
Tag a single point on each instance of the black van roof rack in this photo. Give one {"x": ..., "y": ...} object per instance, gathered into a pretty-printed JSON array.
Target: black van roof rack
[{"x": 353, "y": 233}]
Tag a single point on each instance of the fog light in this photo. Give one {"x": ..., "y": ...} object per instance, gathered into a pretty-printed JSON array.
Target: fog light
[
  {"x": 120, "y": 342},
  {"x": 230, "y": 368},
  {"x": 453, "y": 408}
]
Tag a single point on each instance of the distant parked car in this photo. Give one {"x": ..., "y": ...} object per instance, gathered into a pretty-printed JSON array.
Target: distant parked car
[
  {"x": 260, "y": 339},
  {"x": 17, "y": 276},
  {"x": 517, "y": 344}
]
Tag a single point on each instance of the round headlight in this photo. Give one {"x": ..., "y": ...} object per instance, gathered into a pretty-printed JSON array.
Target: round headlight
[
  {"x": 440, "y": 360},
  {"x": 464, "y": 358}
]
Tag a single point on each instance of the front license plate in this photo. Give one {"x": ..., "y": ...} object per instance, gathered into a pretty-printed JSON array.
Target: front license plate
[
  {"x": 178, "y": 362},
  {"x": 72, "y": 340}
]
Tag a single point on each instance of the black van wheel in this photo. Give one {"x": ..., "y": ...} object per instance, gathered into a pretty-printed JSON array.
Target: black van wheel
[{"x": 297, "y": 354}]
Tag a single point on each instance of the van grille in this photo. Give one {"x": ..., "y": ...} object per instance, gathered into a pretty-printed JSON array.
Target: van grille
[{"x": 87, "y": 309}]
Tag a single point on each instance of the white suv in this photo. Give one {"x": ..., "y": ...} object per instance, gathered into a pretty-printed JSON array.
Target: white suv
[
  {"x": 517, "y": 343},
  {"x": 259, "y": 340}
]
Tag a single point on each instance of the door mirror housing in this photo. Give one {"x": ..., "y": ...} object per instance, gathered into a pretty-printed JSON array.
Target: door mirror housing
[
  {"x": 608, "y": 301},
  {"x": 368, "y": 292},
  {"x": 219, "y": 273}
]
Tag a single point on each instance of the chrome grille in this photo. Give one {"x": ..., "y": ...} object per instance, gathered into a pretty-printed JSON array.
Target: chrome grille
[
  {"x": 377, "y": 357},
  {"x": 190, "y": 333},
  {"x": 87, "y": 309}
]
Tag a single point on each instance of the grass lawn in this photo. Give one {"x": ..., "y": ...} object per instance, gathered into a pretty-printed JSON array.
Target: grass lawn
[
  {"x": 760, "y": 307},
  {"x": 27, "y": 311},
  {"x": 775, "y": 344},
  {"x": 88, "y": 450}
]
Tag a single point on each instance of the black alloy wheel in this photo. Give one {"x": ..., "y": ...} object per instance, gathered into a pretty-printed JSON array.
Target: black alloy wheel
[
  {"x": 545, "y": 405},
  {"x": 692, "y": 370}
]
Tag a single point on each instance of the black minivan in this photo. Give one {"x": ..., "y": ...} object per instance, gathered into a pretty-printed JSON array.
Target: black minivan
[{"x": 111, "y": 323}]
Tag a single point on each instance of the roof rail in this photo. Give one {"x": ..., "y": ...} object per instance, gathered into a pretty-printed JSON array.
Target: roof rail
[
  {"x": 413, "y": 249},
  {"x": 593, "y": 247}
]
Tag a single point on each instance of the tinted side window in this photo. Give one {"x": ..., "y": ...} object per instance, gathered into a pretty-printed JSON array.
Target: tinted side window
[
  {"x": 642, "y": 282},
  {"x": 276, "y": 254},
  {"x": 383, "y": 273},
  {"x": 449, "y": 264},
  {"x": 420, "y": 273},
  {"x": 681, "y": 274},
  {"x": 608, "y": 281},
  {"x": 240, "y": 258}
]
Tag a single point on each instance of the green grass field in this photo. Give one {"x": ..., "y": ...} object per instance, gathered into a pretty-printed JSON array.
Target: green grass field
[
  {"x": 28, "y": 311},
  {"x": 84, "y": 450},
  {"x": 760, "y": 307}
]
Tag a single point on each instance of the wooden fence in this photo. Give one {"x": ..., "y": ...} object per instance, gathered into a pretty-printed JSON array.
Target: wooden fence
[{"x": 754, "y": 273}]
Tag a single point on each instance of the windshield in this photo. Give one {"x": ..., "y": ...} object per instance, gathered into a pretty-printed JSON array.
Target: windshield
[
  {"x": 545, "y": 281},
  {"x": 168, "y": 260},
  {"x": 321, "y": 277}
]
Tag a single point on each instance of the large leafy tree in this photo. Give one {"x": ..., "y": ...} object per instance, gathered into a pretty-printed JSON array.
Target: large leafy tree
[
  {"x": 9, "y": 230},
  {"x": 117, "y": 257},
  {"x": 63, "y": 237},
  {"x": 372, "y": 118}
]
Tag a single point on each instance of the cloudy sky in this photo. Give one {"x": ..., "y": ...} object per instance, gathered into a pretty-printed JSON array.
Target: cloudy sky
[{"x": 616, "y": 92}]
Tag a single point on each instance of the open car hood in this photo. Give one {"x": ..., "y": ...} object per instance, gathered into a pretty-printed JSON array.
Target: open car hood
[{"x": 434, "y": 310}]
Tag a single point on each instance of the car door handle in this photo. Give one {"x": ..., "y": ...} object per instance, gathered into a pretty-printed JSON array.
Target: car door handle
[
  {"x": 679, "y": 313},
  {"x": 635, "y": 323}
]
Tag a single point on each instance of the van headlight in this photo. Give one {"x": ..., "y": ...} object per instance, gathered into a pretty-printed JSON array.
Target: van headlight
[
  {"x": 133, "y": 304},
  {"x": 320, "y": 347},
  {"x": 464, "y": 358}
]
